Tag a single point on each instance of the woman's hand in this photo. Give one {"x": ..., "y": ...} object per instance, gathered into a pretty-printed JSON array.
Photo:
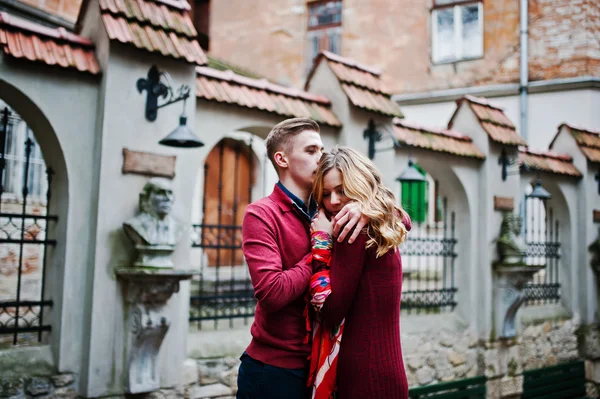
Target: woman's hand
[{"x": 321, "y": 223}]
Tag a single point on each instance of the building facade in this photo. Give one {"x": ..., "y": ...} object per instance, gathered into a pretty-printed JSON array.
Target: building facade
[{"x": 79, "y": 147}]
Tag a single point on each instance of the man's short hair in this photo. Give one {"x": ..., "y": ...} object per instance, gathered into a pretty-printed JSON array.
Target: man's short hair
[{"x": 280, "y": 137}]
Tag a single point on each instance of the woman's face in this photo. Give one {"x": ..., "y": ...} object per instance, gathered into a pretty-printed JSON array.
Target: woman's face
[{"x": 334, "y": 198}]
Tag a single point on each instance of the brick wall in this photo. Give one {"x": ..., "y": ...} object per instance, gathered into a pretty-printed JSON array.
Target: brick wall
[
  {"x": 67, "y": 9},
  {"x": 268, "y": 37}
]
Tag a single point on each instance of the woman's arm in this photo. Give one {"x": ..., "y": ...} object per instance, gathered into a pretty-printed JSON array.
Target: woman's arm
[{"x": 347, "y": 264}]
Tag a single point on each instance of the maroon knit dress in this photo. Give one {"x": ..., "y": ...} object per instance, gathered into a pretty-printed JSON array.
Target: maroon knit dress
[{"x": 366, "y": 291}]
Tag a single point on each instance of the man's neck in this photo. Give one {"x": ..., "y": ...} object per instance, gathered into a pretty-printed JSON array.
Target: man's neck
[{"x": 302, "y": 193}]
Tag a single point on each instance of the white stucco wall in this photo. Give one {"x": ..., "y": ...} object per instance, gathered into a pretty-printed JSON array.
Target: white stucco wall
[
  {"x": 61, "y": 111},
  {"x": 123, "y": 124}
]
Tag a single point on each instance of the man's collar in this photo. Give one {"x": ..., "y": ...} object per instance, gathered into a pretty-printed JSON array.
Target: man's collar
[{"x": 291, "y": 201}]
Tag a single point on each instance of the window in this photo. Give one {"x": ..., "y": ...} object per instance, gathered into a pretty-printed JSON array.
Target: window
[
  {"x": 17, "y": 133},
  {"x": 201, "y": 16},
  {"x": 324, "y": 28},
  {"x": 457, "y": 31}
]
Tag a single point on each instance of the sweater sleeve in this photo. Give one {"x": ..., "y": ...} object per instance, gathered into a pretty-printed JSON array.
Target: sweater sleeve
[
  {"x": 273, "y": 287},
  {"x": 347, "y": 264}
]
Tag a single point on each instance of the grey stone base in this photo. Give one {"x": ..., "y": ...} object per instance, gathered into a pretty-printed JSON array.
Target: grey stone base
[{"x": 60, "y": 386}]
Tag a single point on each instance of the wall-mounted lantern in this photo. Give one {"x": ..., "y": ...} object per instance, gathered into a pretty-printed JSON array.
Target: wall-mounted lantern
[
  {"x": 539, "y": 191},
  {"x": 155, "y": 88}
]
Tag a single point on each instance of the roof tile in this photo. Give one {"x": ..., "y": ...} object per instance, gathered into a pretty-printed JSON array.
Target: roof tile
[
  {"x": 439, "y": 140},
  {"x": 158, "y": 26},
  {"x": 493, "y": 120},
  {"x": 547, "y": 162},
  {"x": 227, "y": 87},
  {"x": 362, "y": 84},
  {"x": 588, "y": 140},
  {"x": 24, "y": 39}
]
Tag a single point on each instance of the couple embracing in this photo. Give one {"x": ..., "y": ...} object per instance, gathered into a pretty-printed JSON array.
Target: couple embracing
[{"x": 322, "y": 251}]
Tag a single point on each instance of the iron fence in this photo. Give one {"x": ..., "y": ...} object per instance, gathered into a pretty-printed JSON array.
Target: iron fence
[
  {"x": 428, "y": 261},
  {"x": 541, "y": 232},
  {"x": 24, "y": 241}
]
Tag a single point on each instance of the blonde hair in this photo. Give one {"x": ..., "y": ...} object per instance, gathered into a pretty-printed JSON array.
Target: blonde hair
[
  {"x": 280, "y": 137},
  {"x": 362, "y": 183}
]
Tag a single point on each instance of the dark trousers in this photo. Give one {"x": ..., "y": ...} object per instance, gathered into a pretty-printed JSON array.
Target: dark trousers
[{"x": 257, "y": 380}]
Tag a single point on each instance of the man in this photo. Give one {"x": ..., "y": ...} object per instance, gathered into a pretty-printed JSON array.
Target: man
[{"x": 276, "y": 244}]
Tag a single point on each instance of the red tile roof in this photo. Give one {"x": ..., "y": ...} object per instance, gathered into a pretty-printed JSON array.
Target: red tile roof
[
  {"x": 493, "y": 120},
  {"x": 158, "y": 26},
  {"x": 588, "y": 140},
  {"x": 440, "y": 140},
  {"x": 362, "y": 84},
  {"x": 547, "y": 161},
  {"x": 24, "y": 39},
  {"x": 228, "y": 87}
]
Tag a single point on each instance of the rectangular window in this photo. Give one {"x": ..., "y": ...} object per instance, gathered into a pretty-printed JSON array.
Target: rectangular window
[
  {"x": 324, "y": 28},
  {"x": 457, "y": 31}
]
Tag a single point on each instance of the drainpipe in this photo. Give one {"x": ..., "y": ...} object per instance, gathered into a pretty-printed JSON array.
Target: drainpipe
[{"x": 524, "y": 75}]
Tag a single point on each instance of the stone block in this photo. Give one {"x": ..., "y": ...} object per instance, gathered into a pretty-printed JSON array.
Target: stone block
[
  {"x": 37, "y": 386},
  {"x": 190, "y": 372},
  {"x": 209, "y": 391},
  {"x": 62, "y": 380},
  {"x": 455, "y": 358},
  {"x": 425, "y": 375},
  {"x": 65, "y": 393},
  {"x": 11, "y": 387}
]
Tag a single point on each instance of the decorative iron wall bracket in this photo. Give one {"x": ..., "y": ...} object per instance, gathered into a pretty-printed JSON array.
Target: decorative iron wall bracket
[
  {"x": 505, "y": 161},
  {"x": 156, "y": 89}
]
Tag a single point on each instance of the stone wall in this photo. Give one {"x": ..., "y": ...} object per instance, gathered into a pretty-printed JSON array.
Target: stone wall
[
  {"x": 440, "y": 356},
  {"x": 59, "y": 386}
]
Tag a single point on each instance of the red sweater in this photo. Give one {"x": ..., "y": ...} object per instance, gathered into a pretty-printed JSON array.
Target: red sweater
[
  {"x": 276, "y": 244},
  {"x": 366, "y": 291}
]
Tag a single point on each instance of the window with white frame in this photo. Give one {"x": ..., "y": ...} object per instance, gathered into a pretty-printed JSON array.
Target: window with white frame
[
  {"x": 17, "y": 133},
  {"x": 324, "y": 28},
  {"x": 457, "y": 30}
]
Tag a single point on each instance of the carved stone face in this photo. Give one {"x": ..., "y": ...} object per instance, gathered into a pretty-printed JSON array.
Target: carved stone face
[
  {"x": 161, "y": 200},
  {"x": 157, "y": 197}
]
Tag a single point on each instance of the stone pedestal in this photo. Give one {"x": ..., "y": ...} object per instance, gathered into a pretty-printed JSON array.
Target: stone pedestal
[
  {"x": 158, "y": 256},
  {"x": 146, "y": 293},
  {"x": 509, "y": 295}
]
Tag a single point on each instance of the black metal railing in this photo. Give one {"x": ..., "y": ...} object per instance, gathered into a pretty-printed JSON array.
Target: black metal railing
[
  {"x": 24, "y": 243},
  {"x": 428, "y": 257},
  {"x": 223, "y": 290},
  {"x": 541, "y": 231}
]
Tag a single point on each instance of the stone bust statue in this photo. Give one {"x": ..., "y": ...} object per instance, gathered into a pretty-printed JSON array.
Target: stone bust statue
[
  {"x": 153, "y": 226},
  {"x": 512, "y": 249}
]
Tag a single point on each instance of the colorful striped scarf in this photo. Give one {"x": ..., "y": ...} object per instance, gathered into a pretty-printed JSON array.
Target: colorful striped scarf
[{"x": 326, "y": 341}]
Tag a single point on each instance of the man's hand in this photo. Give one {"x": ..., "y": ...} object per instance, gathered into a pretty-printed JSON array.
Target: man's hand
[{"x": 351, "y": 215}]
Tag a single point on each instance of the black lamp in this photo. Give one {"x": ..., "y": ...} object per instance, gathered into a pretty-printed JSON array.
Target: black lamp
[
  {"x": 411, "y": 174},
  {"x": 182, "y": 136},
  {"x": 539, "y": 191}
]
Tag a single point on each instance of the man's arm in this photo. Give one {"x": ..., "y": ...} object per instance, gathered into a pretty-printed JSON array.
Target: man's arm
[{"x": 273, "y": 286}]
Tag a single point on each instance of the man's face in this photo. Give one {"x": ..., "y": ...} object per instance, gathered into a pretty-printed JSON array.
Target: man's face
[
  {"x": 303, "y": 157},
  {"x": 161, "y": 200}
]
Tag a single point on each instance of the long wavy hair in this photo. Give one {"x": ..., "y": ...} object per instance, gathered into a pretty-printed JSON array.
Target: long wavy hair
[{"x": 362, "y": 182}]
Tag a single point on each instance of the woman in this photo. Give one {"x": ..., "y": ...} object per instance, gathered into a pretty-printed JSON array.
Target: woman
[{"x": 356, "y": 288}]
